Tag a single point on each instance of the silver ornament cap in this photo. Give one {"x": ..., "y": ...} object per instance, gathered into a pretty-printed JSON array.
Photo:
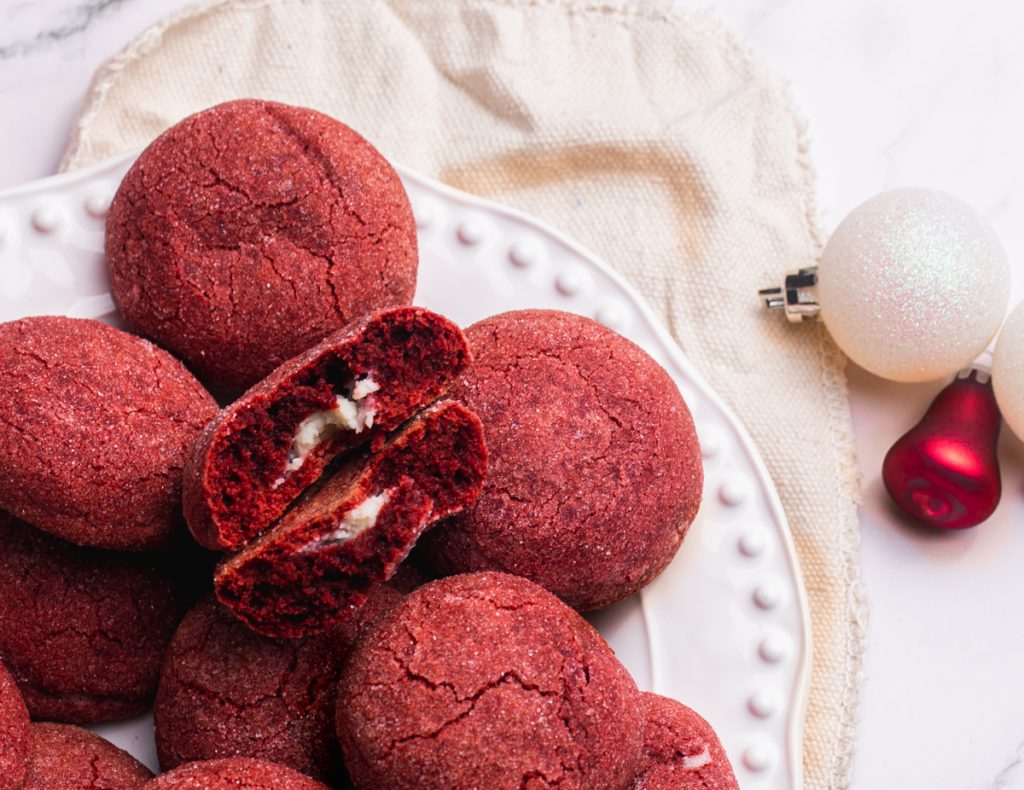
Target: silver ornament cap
[{"x": 797, "y": 296}]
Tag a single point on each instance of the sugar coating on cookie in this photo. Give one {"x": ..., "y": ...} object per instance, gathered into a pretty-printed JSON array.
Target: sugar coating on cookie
[
  {"x": 681, "y": 751},
  {"x": 82, "y": 631},
  {"x": 95, "y": 425},
  {"x": 15, "y": 739},
  {"x": 251, "y": 230},
  {"x": 268, "y": 446},
  {"x": 64, "y": 757},
  {"x": 596, "y": 471},
  {"x": 487, "y": 680},
  {"x": 232, "y": 773},
  {"x": 226, "y": 691},
  {"x": 314, "y": 569}
]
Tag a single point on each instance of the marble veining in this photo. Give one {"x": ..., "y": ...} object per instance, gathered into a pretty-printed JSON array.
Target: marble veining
[
  {"x": 896, "y": 94},
  {"x": 71, "y": 19}
]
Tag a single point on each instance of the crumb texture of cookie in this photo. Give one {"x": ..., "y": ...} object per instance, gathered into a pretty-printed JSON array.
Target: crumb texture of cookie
[
  {"x": 69, "y": 758},
  {"x": 95, "y": 426},
  {"x": 681, "y": 751},
  {"x": 15, "y": 737},
  {"x": 251, "y": 230},
  {"x": 487, "y": 680},
  {"x": 595, "y": 473},
  {"x": 314, "y": 569},
  {"x": 233, "y": 773},
  {"x": 276, "y": 440},
  {"x": 226, "y": 691},
  {"x": 82, "y": 631}
]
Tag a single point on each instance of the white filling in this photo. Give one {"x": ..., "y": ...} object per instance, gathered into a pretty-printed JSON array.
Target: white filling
[
  {"x": 365, "y": 386},
  {"x": 349, "y": 413},
  {"x": 354, "y": 523},
  {"x": 693, "y": 762}
]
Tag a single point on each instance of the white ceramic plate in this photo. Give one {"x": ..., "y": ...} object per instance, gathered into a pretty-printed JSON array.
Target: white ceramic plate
[{"x": 725, "y": 628}]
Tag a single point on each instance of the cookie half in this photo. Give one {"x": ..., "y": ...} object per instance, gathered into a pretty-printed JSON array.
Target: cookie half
[
  {"x": 314, "y": 569},
  {"x": 265, "y": 449}
]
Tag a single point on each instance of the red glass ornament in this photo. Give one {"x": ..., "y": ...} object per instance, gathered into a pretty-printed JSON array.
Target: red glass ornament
[{"x": 944, "y": 471}]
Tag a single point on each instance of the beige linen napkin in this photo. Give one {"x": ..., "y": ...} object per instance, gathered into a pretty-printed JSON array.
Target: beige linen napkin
[{"x": 648, "y": 134}]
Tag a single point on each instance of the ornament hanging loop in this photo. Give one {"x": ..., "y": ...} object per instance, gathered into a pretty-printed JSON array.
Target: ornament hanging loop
[{"x": 797, "y": 295}]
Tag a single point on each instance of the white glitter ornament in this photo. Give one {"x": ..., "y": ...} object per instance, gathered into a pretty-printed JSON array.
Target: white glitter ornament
[
  {"x": 1008, "y": 371},
  {"x": 912, "y": 285}
]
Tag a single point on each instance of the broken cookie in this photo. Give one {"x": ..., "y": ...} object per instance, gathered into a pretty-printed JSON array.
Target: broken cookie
[
  {"x": 266, "y": 448},
  {"x": 315, "y": 567}
]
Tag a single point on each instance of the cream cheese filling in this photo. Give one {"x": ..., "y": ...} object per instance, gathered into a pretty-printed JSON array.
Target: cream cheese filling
[
  {"x": 353, "y": 524},
  {"x": 351, "y": 412}
]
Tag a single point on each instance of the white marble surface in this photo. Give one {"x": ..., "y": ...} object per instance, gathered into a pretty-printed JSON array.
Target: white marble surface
[{"x": 897, "y": 93}]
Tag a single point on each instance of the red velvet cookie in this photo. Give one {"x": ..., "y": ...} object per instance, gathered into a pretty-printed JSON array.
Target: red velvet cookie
[
  {"x": 15, "y": 740},
  {"x": 82, "y": 631},
  {"x": 95, "y": 425},
  {"x": 250, "y": 231},
  {"x": 487, "y": 680},
  {"x": 596, "y": 472},
  {"x": 233, "y": 773},
  {"x": 226, "y": 691},
  {"x": 313, "y": 569},
  {"x": 272, "y": 443},
  {"x": 681, "y": 751},
  {"x": 70, "y": 758}
]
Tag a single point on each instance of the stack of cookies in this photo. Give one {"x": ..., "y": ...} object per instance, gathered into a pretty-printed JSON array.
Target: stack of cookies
[{"x": 340, "y": 541}]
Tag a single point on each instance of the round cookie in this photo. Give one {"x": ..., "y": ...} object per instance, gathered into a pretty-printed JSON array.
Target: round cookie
[
  {"x": 15, "y": 736},
  {"x": 595, "y": 472},
  {"x": 95, "y": 426},
  {"x": 226, "y": 691},
  {"x": 82, "y": 631},
  {"x": 251, "y": 230},
  {"x": 487, "y": 680},
  {"x": 233, "y": 773},
  {"x": 681, "y": 751},
  {"x": 70, "y": 758}
]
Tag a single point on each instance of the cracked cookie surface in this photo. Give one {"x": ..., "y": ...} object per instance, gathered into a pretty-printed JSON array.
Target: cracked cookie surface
[
  {"x": 95, "y": 426},
  {"x": 233, "y": 773},
  {"x": 487, "y": 680},
  {"x": 226, "y": 691},
  {"x": 64, "y": 757},
  {"x": 596, "y": 472},
  {"x": 251, "y": 230},
  {"x": 82, "y": 631},
  {"x": 681, "y": 751},
  {"x": 15, "y": 738}
]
